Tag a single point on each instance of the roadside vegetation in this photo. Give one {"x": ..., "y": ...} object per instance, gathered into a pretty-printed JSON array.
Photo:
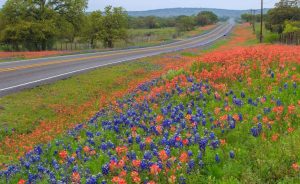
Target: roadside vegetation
[
  {"x": 227, "y": 113},
  {"x": 282, "y": 23},
  {"x": 64, "y": 25},
  {"x": 227, "y": 116}
]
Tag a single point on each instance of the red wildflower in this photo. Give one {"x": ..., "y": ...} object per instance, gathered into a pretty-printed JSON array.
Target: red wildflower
[
  {"x": 185, "y": 141},
  {"x": 86, "y": 149},
  {"x": 163, "y": 155},
  {"x": 123, "y": 174},
  {"x": 136, "y": 179},
  {"x": 275, "y": 137},
  {"x": 118, "y": 180},
  {"x": 295, "y": 166},
  {"x": 63, "y": 154},
  {"x": 217, "y": 110},
  {"x": 172, "y": 179},
  {"x": 178, "y": 139},
  {"x": 112, "y": 165},
  {"x": 278, "y": 110},
  {"x": 159, "y": 129},
  {"x": 154, "y": 169},
  {"x": 290, "y": 129},
  {"x": 223, "y": 142},
  {"x": 76, "y": 177},
  {"x": 151, "y": 182},
  {"x": 121, "y": 149},
  {"x": 121, "y": 163},
  {"x": 136, "y": 163},
  {"x": 93, "y": 152},
  {"x": 134, "y": 174},
  {"x": 291, "y": 109},
  {"x": 183, "y": 157},
  {"x": 21, "y": 181},
  {"x": 148, "y": 140}
]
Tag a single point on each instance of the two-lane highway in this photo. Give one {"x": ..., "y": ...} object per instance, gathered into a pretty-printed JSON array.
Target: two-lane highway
[{"x": 18, "y": 75}]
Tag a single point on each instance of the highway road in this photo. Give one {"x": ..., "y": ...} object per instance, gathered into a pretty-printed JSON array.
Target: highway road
[{"x": 19, "y": 75}]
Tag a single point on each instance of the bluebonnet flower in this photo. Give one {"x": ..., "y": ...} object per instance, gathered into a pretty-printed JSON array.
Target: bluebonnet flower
[
  {"x": 217, "y": 158},
  {"x": 255, "y": 131},
  {"x": 105, "y": 169},
  {"x": 231, "y": 154}
]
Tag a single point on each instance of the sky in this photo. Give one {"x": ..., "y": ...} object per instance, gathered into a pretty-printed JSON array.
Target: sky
[{"x": 134, "y": 5}]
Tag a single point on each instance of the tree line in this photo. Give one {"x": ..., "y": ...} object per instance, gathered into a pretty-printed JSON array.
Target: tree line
[
  {"x": 152, "y": 22},
  {"x": 39, "y": 24},
  {"x": 283, "y": 19}
]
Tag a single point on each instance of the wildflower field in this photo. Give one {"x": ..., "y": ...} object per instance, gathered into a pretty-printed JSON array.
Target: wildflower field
[{"x": 228, "y": 116}]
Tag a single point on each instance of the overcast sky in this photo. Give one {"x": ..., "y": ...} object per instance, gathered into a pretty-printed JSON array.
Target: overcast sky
[{"x": 156, "y": 4}]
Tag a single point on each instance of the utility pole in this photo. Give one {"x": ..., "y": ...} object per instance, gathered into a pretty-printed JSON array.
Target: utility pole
[
  {"x": 261, "y": 21},
  {"x": 254, "y": 20}
]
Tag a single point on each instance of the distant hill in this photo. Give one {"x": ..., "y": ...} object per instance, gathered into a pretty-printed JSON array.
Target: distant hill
[{"x": 170, "y": 12}]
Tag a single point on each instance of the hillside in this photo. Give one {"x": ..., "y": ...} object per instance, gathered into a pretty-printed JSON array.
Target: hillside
[{"x": 188, "y": 11}]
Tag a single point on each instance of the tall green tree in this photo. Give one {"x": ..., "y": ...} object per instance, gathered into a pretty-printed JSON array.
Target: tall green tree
[
  {"x": 205, "y": 18},
  {"x": 93, "y": 28},
  {"x": 115, "y": 24},
  {"x": 40, "y": 22},
  {"x": 283, "y": 12}
]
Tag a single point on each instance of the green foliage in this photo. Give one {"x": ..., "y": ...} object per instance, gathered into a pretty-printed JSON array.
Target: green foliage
[
  {"x": 291, "y": 27},
  {"x": 93, "y": 27},
  {"x": 206, "y": 18},
  {"x": 185, "y": 23},
  {"x": 115, "y": 24},
  {"x": 247, "y": 17},
  {"x": 151, "y": 22},
  {"x": 284, "y": 11},
  {"x": 271, "y": 37},
  {"x": 34, "y": 25}
]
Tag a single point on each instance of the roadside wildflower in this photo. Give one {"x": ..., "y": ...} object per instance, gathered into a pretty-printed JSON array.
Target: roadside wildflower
[
  {"x": 154, "y": 169},
  {"x": 183, "y": 157},
  {"x": 63, "y": 154},
  {"x": 76, "y": 177},
  {"x": 295, "y": 166},
  {"x": 21, "y": 181}
]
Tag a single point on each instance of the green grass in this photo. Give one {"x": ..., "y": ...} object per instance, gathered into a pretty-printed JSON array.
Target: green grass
[
  {"x": 24, "y": 110},
  {"x": 268, "y": 36}
]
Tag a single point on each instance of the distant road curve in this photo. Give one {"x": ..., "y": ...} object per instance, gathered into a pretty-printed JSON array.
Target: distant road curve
[{"x": 19, "y": 75}]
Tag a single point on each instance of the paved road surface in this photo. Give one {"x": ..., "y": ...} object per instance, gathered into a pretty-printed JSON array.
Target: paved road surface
[{"x": 18, "y": 75}]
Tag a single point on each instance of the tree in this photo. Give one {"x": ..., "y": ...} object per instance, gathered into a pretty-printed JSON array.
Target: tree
[
  {"x": 151, "y": 22},
  {"x": 115, "y": 24},
  {"x": 292, "y": 27},
  {"x": 23, "y": 18},
  {"x": 247, "y": 17},
  {"x": 185, "y": 23},
  {"x": 205, "y": 18},
  {"x": 283, "y": 12},
  {"x": 93, "y": 27}
]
